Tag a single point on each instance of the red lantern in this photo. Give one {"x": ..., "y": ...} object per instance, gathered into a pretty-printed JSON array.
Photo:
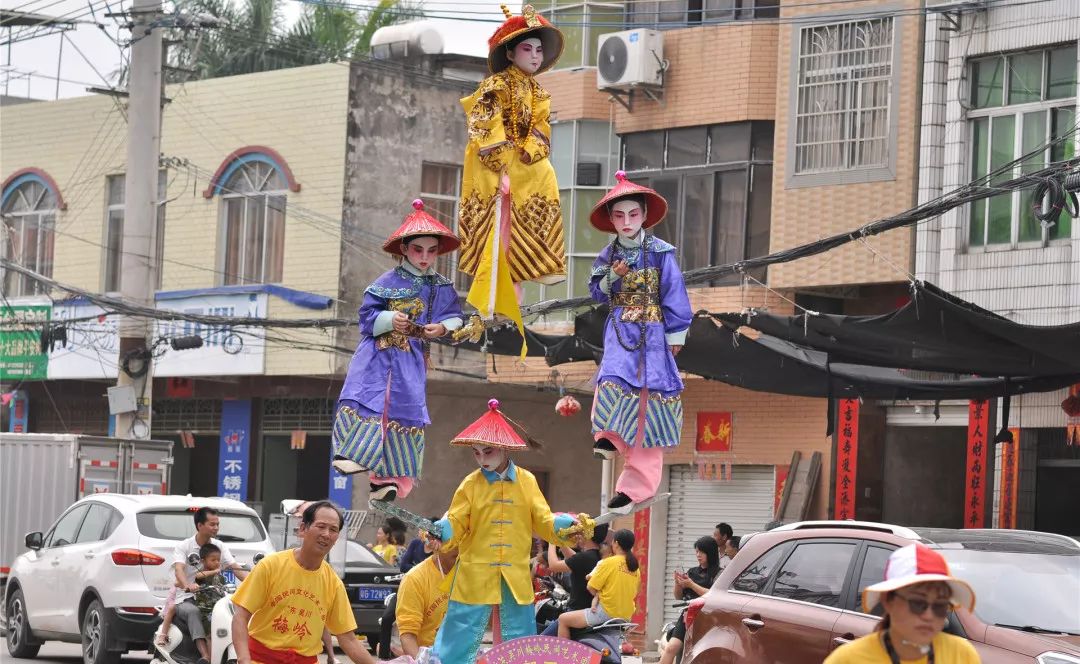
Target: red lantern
[{"x": 568, "y": 406}]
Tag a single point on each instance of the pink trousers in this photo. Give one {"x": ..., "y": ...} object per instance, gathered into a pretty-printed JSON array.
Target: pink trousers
[
  {"x": 404, "y": 484},
  {"x": 642, "y": 468}
]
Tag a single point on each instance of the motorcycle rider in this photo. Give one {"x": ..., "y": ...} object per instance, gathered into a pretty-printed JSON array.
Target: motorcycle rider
[
  {"x": 207, "y": 524},
  {"x": 580, "y": 565},
  {"x": 209, "y": 575}
]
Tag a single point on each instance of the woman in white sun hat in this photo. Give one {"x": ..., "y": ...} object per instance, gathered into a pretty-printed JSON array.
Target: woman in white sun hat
[{"x": 917, "y": 595}]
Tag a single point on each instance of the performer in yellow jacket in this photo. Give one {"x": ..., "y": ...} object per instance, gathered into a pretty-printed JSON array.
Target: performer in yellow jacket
[
  {"x": 511, "y": 220},
  {"x": 492, "y": 518}
]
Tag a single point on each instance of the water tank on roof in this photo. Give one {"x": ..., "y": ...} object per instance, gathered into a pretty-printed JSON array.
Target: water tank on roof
[{"x": 407, "y": 40}]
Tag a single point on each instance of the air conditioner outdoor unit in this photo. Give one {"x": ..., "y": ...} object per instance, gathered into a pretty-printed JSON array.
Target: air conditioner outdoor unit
[{"x": 630, "y": 59}]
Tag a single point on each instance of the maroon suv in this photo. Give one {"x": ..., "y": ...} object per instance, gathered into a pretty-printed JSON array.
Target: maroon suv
[{"x": 793, "y": 594}]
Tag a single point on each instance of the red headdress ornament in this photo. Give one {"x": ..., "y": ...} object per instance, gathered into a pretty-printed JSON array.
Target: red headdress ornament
[
  {"x": 529, "y": 23},
  {"x": 655, "y": 204},
  {"x": 421, "y": 223},
  {"x": 495, "y": 430}
]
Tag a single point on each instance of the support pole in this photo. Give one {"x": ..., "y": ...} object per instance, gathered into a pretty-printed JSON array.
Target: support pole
[{"x": 138, "y": 262}]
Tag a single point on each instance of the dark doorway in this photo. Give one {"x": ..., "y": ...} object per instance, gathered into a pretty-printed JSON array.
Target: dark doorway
[
  {"x": 195, "y": 470},
  {"x": 1055, "y": 498},
  {"x": 289, "y": 473},
  {"x": 924, "y": 476}
]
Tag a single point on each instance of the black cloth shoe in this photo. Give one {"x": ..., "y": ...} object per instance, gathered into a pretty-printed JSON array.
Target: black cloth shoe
[
  {"x": 621, "y": 504},
  {"x": 603, "y": 449},
  {"x": 384, "y": 492}
]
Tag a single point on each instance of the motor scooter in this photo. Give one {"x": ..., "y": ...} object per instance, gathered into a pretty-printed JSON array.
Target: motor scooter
[
  {"x": 550, "y": 602},
  {"x": 607, "y": 638},
  {"x": 180, "y": 648},
  {"x": 662, "y": 642}
]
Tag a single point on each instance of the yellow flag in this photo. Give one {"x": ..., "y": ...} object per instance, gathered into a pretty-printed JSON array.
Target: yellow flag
[{"x": 492, "y": 290}]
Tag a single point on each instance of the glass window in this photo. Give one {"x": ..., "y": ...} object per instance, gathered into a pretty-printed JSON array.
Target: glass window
[
  {"x": 562, "y": 152},
  {"x": 530, "y": 292},
  {"x": 729, "y": 231},
  {"x": 719, "y": 10},
  {"x": 980, "y": 131},
  {"x": 1025, "y": 77},
  {"x": 440, "y": 190},
  {"x": 755, "y": 577},
  {"x": 1002, "y": 138},
  {"x": 873, "y": 570},
  {"x": 760, "y": 215},
  {"x": 115, "y": 187},
  {"x": 730, "y": 142},
  {"x": 597, "y": 142},
  {"x": 602, "y": 20},
  {"x": 586, "y": 238},
  {"x": 571, "y": 21},
  {"x": 63, "y": 533},
  {"x": 29, "y": 212},
  {"x": 1062, "y": 121},
  {"x": 643, "y": 12},
  {"x": 686, "y": 146},
  {"x": 815, "y": 573},
  {"x": 582, "y": 272},
  {"x": 177, "y": 525},
  {"x": 763, "y": 9},
  {"x": 761, "y": 141},
  {"x": 1033, "y": 135},
  {"x": 1061, "y": 73},
  {"x": 668, "y": 187},
  {"x": 253, "y": 225},
  {"x": 93, "y": 526},
  {"x": 697, "y": 221},
  {"x": 643, "y": 151},
  {"x": 987, "y": 77}
]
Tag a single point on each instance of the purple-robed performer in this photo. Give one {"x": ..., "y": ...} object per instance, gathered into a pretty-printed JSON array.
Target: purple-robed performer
[
  {"x": 382, "y": 410},
  {"x": 637, "y": 408}
]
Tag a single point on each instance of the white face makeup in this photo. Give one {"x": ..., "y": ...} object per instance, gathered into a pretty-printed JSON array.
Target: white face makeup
[
  {"x": 528, "y": 55},
  {"x": 627, "y": 217},
  {"x": 421, "y": 252},
  {"x": 489, "y": 458}
]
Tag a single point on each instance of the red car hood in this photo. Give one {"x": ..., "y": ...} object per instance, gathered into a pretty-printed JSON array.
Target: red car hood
[{"x": 1030, "y": 643}]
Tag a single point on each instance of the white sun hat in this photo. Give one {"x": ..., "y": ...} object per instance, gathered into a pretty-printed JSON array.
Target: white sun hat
[{"x": 917, "y": 563}]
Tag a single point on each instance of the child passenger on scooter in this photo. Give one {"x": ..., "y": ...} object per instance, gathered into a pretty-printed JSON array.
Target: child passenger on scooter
[
  {"x": 210, "y": 574},
  {"x": 614, "y": 585}
]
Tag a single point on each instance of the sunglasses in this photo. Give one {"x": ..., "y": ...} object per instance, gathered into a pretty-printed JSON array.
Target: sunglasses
[{"x": 918, "y": 606}]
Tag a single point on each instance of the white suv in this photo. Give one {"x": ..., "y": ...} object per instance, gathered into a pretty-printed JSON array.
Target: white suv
[{"x": 99, "y": 572}]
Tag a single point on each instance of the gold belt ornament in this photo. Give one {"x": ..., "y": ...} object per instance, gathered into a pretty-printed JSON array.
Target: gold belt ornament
[{"x": 630, "y": 299}]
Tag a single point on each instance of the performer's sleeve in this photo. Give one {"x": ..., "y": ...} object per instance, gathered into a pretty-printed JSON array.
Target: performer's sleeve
[
  {"x": 538, "y": 142},
  {"x": 674, "y": 301},
  {"x": 486, "y": 125},
  {"x": 459, "y": 514},
  {"x": 375, "y": 318},
  {"x": 543, "y": 520},
  {"x": 449, "y": 308},
  {"x": 410, "y": 610},
  {"x": 602, "y": 278}
]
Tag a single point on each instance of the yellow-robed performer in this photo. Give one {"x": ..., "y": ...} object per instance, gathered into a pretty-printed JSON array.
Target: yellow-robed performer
[{"x": 511, "y": 220}]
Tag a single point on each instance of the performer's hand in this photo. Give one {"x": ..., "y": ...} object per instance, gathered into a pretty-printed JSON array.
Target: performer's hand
[
  {"x": 504, "y": 184},
  {"x": 401, "y": 322},
  {"x": 434, "y": 330},
  {"x": 445, "y": 530},
  {"x": 620, "y": 268},
  {"x": 675, "y": 349},
  {"x": 564, "y": 521}
]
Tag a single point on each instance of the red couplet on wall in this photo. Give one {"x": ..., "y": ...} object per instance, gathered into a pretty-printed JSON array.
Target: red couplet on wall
[
  {"x": 975, "y": 482},
  {"x": 1010, "y": 477},
  {"x": 641, "y": 550},
  {"x": 778, "y": 488},
  {"x": 847, "y": 457},
  {"x": 713, "y": 432}
]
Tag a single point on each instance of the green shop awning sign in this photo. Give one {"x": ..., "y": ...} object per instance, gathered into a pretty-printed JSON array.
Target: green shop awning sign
[{"x": 20, "y": 341}]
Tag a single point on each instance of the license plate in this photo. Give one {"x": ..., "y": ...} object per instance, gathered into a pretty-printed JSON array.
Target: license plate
[
  {"x": 372, "y": 594},
  {"x": 229, "y": 577}
]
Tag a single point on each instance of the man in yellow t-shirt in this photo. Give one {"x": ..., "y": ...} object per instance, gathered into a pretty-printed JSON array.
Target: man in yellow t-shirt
[
  {"x": 421, "y": 601},
  {"x": 287, "y": 600}
]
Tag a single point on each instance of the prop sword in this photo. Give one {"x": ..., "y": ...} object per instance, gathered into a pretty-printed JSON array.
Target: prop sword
[
  {"x": 424, "y": 524},
  {"x": 587, "y": 525}
]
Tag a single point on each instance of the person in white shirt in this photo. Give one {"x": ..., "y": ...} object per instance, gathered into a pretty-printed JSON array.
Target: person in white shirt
[{"x": 207, "y": 524}]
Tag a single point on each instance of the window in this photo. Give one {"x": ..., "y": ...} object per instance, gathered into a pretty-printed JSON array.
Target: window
[
  {"x": 755, "y": 577},
  {"x": 93, "y": 526},
  {"x": 815, "y": 573},
  {"x": 29, "y": 212},
  {"x": 114, "y": 230},
  {"x": 581, "y": 25},
  {"x": 63, "y": 533},
  {"x": 253, "y": 223},
  {"x": 718, "y": 183},
  {"x": 873, "y": 571},
  {"x": 177, "y": 525},
  {"x": 843, "y": 95},
  {"x": 1020, "y": 103},
  {"x": 440, "y": 188},
  {"x": 680, "y": 13}
]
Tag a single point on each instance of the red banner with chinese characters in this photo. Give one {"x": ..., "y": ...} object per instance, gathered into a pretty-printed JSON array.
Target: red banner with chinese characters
[
  {"x": 1010, "y": 478},
  {"x": 179, "y": 388},
  {"x": 847, "y": 458},
  {"x": 641, "y": 550},
  {"x": 778, "y": 488},
  {"x": 975, "y": 481},
  {"x": 713, "y": 432}
]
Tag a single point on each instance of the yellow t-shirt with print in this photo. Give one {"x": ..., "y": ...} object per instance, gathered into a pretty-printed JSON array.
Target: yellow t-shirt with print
[
  {"x": 616, "y": 586},
  {"x": 290, "y": 605},
  {"x": 421, "y": 601},
  {"x": 389, "y": 552},
  {"x": 870, "y": 649}
]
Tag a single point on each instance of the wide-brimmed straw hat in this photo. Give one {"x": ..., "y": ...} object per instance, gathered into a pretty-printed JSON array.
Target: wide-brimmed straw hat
[
  {"x": 655, "y": 204},
  {"x": 532, "y": 24},
  {"x": 914, "y": 564},
  {"x": 421, "y": 223},
  {"x": 492, "y": 429}
]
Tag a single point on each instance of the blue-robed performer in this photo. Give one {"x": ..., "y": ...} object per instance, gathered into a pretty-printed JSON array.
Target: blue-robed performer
[
  {"x": 637, "y": 408},
  {"x": 382, "y": 410}
]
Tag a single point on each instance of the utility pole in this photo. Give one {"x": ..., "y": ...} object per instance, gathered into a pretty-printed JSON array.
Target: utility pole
[{"x": 138, "y": 263}]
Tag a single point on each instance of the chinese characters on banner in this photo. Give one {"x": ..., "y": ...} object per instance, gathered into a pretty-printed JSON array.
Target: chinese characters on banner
[
  {"x": 847, "y": 458},
  {"x": 713, "y": 432},
  {"x": 540, "y": 650},
  {"x": 1010, "y": 477},
  {"x": 21, "y": 355},
  {"x": 19, "y": 411},
  {"x": 778, "y": 489},
  {"x": 975, "y": 484},
  {"x": 340, "y": 486},
  {"x": 641, "y": 550},
  {"x": 233, "y": 453}
]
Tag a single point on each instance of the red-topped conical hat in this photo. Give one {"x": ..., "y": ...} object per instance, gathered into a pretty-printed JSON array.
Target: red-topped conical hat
[
  {"x": 491, "y": 429},
  {"x": 421, "y": 223},
  {"x": 655, "y": 204},
  {"x": 514, "y": 27}
]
